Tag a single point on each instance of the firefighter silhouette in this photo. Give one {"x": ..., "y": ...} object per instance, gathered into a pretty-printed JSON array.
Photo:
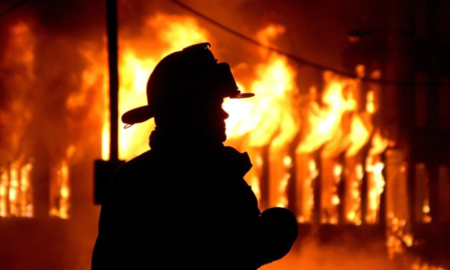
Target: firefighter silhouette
[{"x": 184, "y": 203}]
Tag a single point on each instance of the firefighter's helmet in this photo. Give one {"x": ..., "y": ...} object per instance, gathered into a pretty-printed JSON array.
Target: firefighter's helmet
[{"x": 192, "y": 73}]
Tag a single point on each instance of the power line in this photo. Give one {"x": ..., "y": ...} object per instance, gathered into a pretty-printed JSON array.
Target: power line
[
  {"x": 297, "y": 58},
  {"x": 11, "y": 8}
]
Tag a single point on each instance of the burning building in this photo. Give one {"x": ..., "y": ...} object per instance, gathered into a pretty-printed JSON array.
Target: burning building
[{"x": 356, "y": 146}]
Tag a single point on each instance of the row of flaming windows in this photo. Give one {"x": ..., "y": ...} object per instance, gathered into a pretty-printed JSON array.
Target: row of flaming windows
[{"x": 16, "y": 190}]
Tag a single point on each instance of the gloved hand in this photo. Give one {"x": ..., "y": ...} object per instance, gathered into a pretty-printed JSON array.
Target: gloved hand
[{"x": 279, "y": 231}]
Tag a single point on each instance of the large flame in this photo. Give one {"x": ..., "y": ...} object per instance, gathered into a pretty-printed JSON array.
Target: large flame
[
  {"x": 269, "y": 119},
  {"x": 331, "y": 120},
  {"x": 322, "y": 123},
  {"x": 173, "y": 34},
  {"x": 271, "y": 110}
]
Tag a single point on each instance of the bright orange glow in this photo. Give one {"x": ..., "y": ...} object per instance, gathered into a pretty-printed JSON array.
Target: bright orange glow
[
  {"x": 375, "y": 178},
  {"x": 134, "y": 74},
  {"x": 337, "y": 171},
  {"x": 21, "y": 48},
  {"x": 398, "y": 235},
  {"x": 332, "y": 122},
  {"x": 271, "y": 110},
  {"x": 353, "y": 198},
  {"x": 359, "y": 135},
  {"x": 371, "y": 102},
  {"x": 15, "y": 190},
  {"x": 376, "y": 186},
  {"x": 16, "y": 197},
  {"x": 60, "y": 191},
  {"x": 379, "y": 144},
  {"x": 370, "y": 107},
  {"x": 174, "y": 33},
  {"x": 306, "y": 174},
  {"x": 269, "y": 118},
  {"x": 94, "y": 77},
  {"x": 323, "y": 122}
]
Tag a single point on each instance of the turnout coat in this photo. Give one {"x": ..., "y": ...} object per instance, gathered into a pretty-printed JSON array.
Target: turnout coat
[{"x": 181, "y": 206}]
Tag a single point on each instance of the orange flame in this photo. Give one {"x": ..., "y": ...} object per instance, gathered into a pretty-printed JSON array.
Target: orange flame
[
  {"x": 271, "y": 110},
  {"x": 60, "y": 186},
  {"x": 270, "y": 119},
  {"x": 16, "y": 197},
  {"x": 375, "y": 178},
  {"x": 175, "y": 33},
  {"x": 323, "y": 123}
]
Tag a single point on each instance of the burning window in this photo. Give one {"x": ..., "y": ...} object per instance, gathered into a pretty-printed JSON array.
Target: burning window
[{"x": 16, "y": 163}]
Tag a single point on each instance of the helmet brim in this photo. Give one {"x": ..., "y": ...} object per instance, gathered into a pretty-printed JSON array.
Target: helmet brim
[
  {"x": 144, "y": 113},
  {"x": 138, "y": 115},
  {"x": 243, "y": 95}
]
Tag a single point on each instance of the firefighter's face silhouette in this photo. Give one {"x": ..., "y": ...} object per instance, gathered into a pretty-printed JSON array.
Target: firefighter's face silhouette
[{"x": 209, "y": 117}]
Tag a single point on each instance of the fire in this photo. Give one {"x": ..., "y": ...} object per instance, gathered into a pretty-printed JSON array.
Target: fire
[
  {"x": 267, "y": 124},
  {"x": 306, "y": 174},
  {"x": 271, "y": 110},
  {"x": 376, "y": 186},
  {"x": 375, "y": 177},
  {"x": 60, "y": 190},
  {"x": 354, "y": 193},
  {"x": 133, "y": 79},
  {"x": 257, "y": 118},
  {"x": 269, "y": 118},
  {"x": 60, "y": 186},
  {"x": 370, "y": 107},
  {"x": 174, "y": 33},
  {"x": 94, "y": 77},
  {"x": 323, "y": 122},
  {"x": 359, "y": 135},
  {"x": 16, "y": 191}
]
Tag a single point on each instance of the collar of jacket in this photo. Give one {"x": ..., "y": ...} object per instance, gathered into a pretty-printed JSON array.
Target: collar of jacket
[{"x": 228, "y": 157}]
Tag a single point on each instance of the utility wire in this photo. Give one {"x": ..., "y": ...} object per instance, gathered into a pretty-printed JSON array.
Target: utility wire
[
  {"x": 299, "y": 59},
  {"x": 11, "y": 8}
]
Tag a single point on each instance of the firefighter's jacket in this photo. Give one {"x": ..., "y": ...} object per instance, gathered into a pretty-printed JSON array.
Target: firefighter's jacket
[{"x": 185, "y": 206}]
